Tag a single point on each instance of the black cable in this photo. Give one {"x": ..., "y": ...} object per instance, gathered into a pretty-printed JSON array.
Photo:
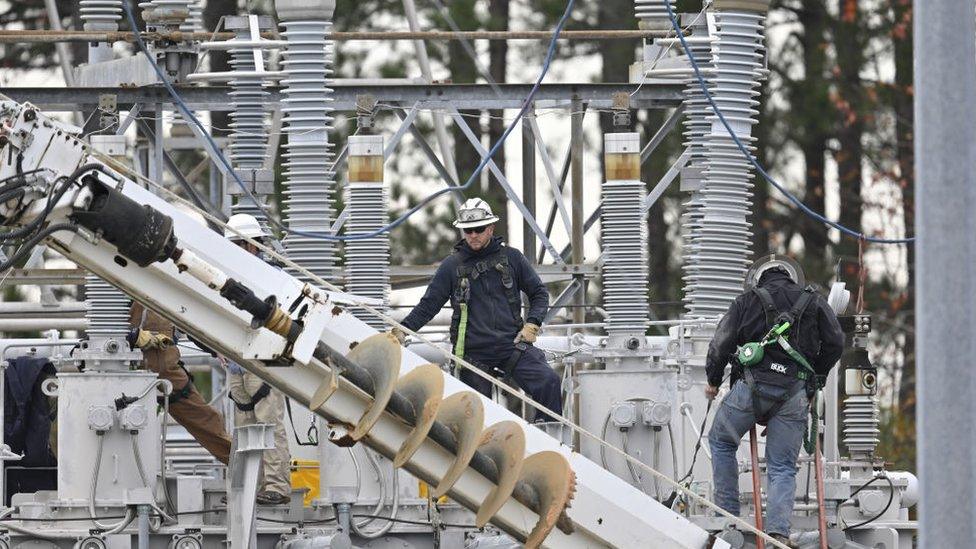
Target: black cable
[
  {"x": 51, "y": 202},
  {"x": 27, "y": 246},
  {"x": 20, "y": 176},
  {"x": 698, "y": 443},
  {"x": 417, "y": 522},
  {"x": 865, "y": 485},
  {"x": 891, "y": 498}
]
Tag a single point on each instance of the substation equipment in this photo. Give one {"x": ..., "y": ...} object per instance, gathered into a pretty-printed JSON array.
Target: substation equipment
[{"x": 395, "y": 435}]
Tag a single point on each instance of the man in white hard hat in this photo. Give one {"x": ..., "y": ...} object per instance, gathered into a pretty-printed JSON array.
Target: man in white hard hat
[
  {"x": 254, "y": 400},
  {"x": 781, "y": 339},
  {"x": 484, "y": 280}
]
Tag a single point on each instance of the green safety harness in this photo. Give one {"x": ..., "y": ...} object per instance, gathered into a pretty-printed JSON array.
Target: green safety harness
[
  {"x": 466, "y": 274},
  {"x": 752, "y": 354}
]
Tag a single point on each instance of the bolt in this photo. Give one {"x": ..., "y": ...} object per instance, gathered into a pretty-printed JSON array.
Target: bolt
[{"x": 30, "y": 115}]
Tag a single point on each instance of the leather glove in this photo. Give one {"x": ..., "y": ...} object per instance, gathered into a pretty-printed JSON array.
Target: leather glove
[
  {"x": 147, "y": 341},
  {"x": 398, "y": 333},
  {"x": 529, "y": 333}
]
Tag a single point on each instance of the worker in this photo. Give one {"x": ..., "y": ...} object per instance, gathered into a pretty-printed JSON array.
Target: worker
[
  {"x": 254, "y": 400},
  {"x": 483, "y": 280},
  {"x": 782, "y": 339},
  {"x": 155, "y": 336}
]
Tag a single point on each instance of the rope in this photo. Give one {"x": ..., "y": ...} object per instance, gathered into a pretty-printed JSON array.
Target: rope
[{"x": 862, "y": 276}]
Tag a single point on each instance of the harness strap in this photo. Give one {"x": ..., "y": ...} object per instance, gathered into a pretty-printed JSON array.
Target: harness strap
[
  {"x": 258, "y": 396},
  {"x": 313, "y": 431},
  {"x": 757, "y": 397},
  {"x": 176, "y": 396},
  {"x": 461, "y": 330},
  {"x": 769, "y": 307},
  {"x": 513, "y": 359},
  {"x": 466, "y": 273}
]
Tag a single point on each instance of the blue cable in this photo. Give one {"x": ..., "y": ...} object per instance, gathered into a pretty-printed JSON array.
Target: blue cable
[
  {"x": 752, "y": 160},
  {"x": 187, "y": 114}
]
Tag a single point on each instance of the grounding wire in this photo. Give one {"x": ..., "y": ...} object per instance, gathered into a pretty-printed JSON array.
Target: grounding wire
[
  {"x": 188, "y": 114},
  {"x": 752, "y": 159}
]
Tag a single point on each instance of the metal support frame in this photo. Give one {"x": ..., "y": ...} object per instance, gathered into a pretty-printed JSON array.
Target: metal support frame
[
  {"x": 429, "y": 96},
  {"x": 457, "y": 196},
  {"x": 250, "y": 442},
  {"x": 576, "y": 139},
  {"x": 503, "y": 181},
  {"x": 661, "y": 133},
  {"x": 528, "y": 181},
  {"x": 556, "y": 183}
]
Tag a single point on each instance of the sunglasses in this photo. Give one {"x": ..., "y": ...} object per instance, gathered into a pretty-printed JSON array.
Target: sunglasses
[{"x": 475, "y": 230}]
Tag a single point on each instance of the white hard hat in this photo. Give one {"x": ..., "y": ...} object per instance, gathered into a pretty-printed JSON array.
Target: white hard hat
[
  {"x": 243, "y": 225},
  {"x": 774, "y": 261},
  {"x": 475, "y": 212}
]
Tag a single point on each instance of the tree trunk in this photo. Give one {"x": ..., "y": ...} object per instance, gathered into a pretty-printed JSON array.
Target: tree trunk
[
  {"x": 464, "y": 71},
  {"x": 810, "y": 100},
  {"x": 498, "y": 69},
  {"x": 849, "y": 101},
  {"x": 219, "y": 59},
  {"x": 904, "y": 119}
]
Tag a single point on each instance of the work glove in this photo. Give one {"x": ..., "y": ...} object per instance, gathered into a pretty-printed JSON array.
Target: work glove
[
  {"x": 147, "y": 341},
  {"x": 398, "y": 333},
  {"x": 529, "y": 333}
]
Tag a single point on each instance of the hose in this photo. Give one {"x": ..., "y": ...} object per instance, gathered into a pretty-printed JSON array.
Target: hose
[
  {"x": 674, "y": 454},
  {"x": 656, "y": 461},
  {"x": 380, "y": 479},
  {"x": 29, "y": 245},
  {"x": 52, "y": 201},
  {"x": 603, "y": 448},
  {"x": 164, "y": 426},
  {"x": 394, "y": 512},
  {"x": 111, "y": 529},
  {"x": 630, "y": 466}
]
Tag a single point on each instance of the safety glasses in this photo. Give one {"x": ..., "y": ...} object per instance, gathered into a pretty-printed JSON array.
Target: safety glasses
[
  {"x": 474, "y": 214},
  {"x": 475, "y": 230}
]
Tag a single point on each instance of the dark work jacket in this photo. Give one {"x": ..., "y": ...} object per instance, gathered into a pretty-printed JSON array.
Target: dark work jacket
[
  {"x": 817, "y": 335},
  {"x": 27, "y": 416},
  {"x": 491, "y": 327}
]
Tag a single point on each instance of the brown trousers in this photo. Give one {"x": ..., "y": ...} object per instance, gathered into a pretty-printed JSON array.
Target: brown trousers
[{"x": 204, "y": 423}]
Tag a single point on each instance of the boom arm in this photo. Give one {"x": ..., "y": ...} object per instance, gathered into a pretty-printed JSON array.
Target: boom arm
[{"x": 302, "y": 341}]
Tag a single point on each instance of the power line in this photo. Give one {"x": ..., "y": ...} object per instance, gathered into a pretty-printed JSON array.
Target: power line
[
  {"x": 189, "y": 115},
  {"x": 752, "y": 160}
]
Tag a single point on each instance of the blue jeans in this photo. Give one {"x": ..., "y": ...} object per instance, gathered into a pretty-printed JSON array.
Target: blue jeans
[{"x": 733, "y": 419}]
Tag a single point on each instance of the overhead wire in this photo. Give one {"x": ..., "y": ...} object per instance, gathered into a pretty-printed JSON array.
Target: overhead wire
[
  {"x": 189, "y": 115},
  {"x": 752, "y": 159}
]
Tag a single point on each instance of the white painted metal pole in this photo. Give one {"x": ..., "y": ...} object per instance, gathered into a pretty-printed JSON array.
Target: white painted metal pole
[{"x": 945, "y": 155}]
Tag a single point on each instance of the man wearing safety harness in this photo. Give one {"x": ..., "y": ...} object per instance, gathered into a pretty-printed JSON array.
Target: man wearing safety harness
[
  {"x": 781, "y": 339},
  {"x": 484, "y": 280},
  {"x": 254, "y": 400}
]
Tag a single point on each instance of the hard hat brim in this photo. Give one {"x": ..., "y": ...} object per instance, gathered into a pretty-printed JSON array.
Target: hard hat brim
[{"x": 479, "y": 223}]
